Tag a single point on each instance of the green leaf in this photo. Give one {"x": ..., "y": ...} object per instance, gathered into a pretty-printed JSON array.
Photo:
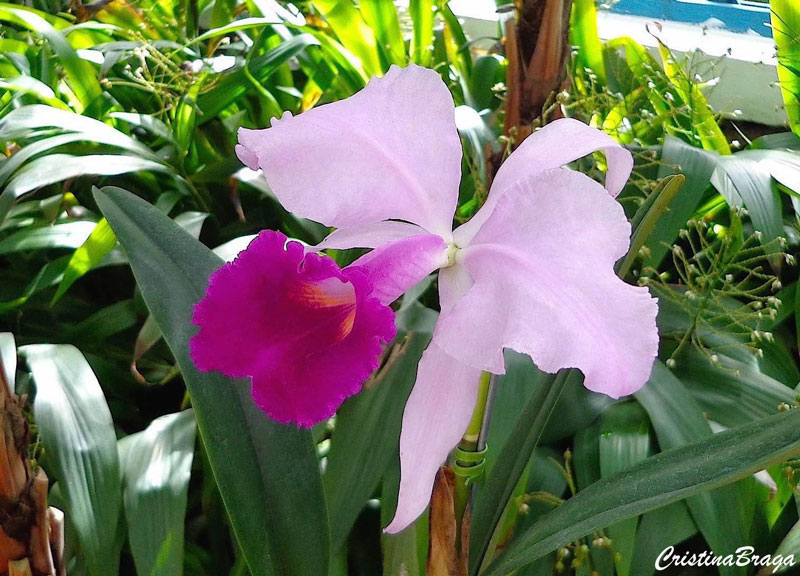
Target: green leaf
[
  {"x": 49, "y": 275},
  {"x": 789, "y": 546},
  {"x": 76, "y": 430},
  {"x": 231, "y": 86},
  {"x": 745, "y": 182},
  {"x": 156, "y": 466},
  {"x": 494, "y": 494},
  {"x": 648, "y": 217},
  {"x": 234, "y": 26},
  {"x": 583, "y": 34},
  {"x": 81, "y": 75},
  {"x": 222, "y": 12},
  {"x": 624, "y": 441},
  {"x": 381, "y": 16},
  {"x": 55, "y": 168},
  {"x": 678, "y": 421},
  {"x": 354, "y": 34},
  {"x": 732, "y": 392},
  {"x": 422, "y": 43},
  {"x": 65, "y": 236},
  {"x": 267, "y": 473},
  {"x": 88, "y": 255},
  {"x": 697, "y": 166},
  {"x": 367, "y": 432},
  {"x": 659, "y": 529},
  {"x": 32, "y": 87},
  {"x": 660, "y": 480},
  {"x": 785, "y": 17},
  {"x": 702, "y": 118},
  {"x": 8, "y": 358}
]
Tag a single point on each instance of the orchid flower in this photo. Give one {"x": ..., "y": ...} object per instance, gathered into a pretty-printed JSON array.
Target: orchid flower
[{"x": 533, "y": 270}]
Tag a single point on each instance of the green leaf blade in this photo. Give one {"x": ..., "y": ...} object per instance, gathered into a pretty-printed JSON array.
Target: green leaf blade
[{"x": 267, "y": 473}]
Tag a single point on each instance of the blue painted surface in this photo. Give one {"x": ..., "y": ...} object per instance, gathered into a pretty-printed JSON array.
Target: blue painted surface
[{"x": 735, "y": 16}]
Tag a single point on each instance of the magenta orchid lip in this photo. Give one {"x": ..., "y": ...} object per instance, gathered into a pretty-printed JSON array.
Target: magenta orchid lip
[{"x": 306, "y": 332}]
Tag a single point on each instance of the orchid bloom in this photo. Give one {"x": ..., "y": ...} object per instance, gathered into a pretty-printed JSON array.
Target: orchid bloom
[{"x": 533, "y": 270}]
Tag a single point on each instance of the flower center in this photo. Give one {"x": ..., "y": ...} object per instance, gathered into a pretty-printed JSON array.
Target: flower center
[
  {"x": 332, "y": 301},
  {"x": 450, "y": 253}
]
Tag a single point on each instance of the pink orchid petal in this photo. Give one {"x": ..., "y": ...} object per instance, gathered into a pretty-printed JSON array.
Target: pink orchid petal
[
  {"x": 372, "y": 235},
  {"x": 390, "y": 151},
  {"x": 436, "y": 416},
  {"x": 308, "y": 333},
  {"x": 544, "y": 285},
  {"x": 395, "y": 267},
  {"x": 555, "y": 145}
]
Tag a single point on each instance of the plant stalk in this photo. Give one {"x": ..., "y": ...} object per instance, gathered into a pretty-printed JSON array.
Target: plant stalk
[{"x": 474, "y": 441}]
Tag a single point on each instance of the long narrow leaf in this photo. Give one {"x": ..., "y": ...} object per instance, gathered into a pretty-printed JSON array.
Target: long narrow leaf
[
  {"x": 80, "y": 444},
  {"x": 156, "y": 466},
  {"x": 660, "y": 480},
  {"x": 267, "y": 473}
]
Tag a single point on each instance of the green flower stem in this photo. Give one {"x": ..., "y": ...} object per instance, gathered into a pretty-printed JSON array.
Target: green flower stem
[{"x": 473, "y": 442}]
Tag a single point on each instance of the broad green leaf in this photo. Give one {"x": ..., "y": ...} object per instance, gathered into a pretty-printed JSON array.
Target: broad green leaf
[
  {"x": 777, "y": 141},
  {"x": 76, "y": 430},
  {"x": 49, "y": 275},
  {"x": 88, "y": 255},
  {"x": 354, "y": 34},
  {"x": 487, "y": 71},
  {"x": 624, "y": 441},
  {"x": 783, "y": 165},
  {"x": 382, "y": 18},
  {"x": 668, "y": 477},
  {"x": 659, "y": 529},
  {"x": 230, "y": 86},
  {"x": 702, "y": 118},
  {"x": 785, "y": 17},
  {"x": 697, "y": 166},
  {"x": 576, "y": 407},
  {"x": 367, "y": 432},
  {"x": 81, "y": 74},
  {"x": 68, "y": 235},
  {"x": 55, "y": 168},
  {"x": 789, "y": 546},
  {"x": 679, "y": 421},
  {"x": 24, "y": 121},
  {"x": 583, "y": 34},
  {"x": 32, "y": 87},
  {"x": 146, "y": 122},
  {"x": 222, "y": 12},
  {"x": 745, "y": 182},
  {"x": 494, "y": 494},
  {"x": 156, "y": 466},
  {"x": 105, "y": 322},
  {"x": 732, "y": 392},
  {"x": 267, "y": 473}
]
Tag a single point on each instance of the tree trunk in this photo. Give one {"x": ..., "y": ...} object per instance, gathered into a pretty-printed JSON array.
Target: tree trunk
[
  {"x": 537, "y": 49},
  {"x": 31, "y": 534}
]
